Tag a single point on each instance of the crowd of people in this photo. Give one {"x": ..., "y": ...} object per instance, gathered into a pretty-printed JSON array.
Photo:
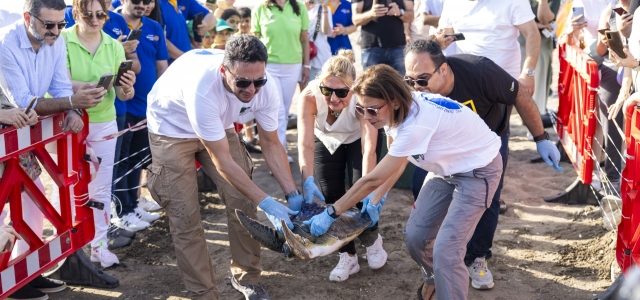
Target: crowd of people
[{"x": 439, "y": 84}]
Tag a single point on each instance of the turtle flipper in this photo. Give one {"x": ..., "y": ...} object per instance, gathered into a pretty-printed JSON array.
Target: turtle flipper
[{"x": 265, "y": 235}]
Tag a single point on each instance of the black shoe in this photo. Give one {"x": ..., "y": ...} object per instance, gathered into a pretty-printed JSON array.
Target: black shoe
[
  {"x": 252, "y": 149},
  {"x": 503, "y": 206},
  {"x": 47, "y": 285},
  {"x": 28, "y": 293},
  {"x": 250, "y": 292},
  {"x": 118, "y": 242},
  {"x": 115, "y": 231},
  {"x": 546, "y": 120}
]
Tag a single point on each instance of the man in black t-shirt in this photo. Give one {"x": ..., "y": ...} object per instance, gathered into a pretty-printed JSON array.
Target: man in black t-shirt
[
  {"x": 491, "y": 92},
  {"x": 383, "y": 33}
]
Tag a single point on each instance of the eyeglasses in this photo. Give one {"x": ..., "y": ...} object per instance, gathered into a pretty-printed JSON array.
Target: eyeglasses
[
  {"x": 340, "y": 93},
  {"x": 371, "y": 111},
  {"x": 245, "y": 83},
  {"x": 50, "y": 25},
  {"x": 421, "y": 81},
  {"x": 137, "y": 2},
  {"x": 100, "y": 15}
]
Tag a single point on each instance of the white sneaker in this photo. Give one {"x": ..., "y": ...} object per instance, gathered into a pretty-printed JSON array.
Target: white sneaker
[
  {"x": 376, "y": 256},
  {"x": 104, "y": 257},
  {"x": 481, "y": 278},
  {"x": 146, "y": 216},
  {"x": 346, "y": 266},
  {"x": 131, "y": 222},
  {"x": 148, "y": 204}
]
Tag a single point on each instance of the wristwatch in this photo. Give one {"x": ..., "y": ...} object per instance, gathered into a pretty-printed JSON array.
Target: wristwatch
[
  {"x": 531, "y": 72},
  {"x": 292, "y": 194},
  {"x": 332, "y": 212},
  {"x": 401, "y": 12},
  {"x": 542, "y": 137}
]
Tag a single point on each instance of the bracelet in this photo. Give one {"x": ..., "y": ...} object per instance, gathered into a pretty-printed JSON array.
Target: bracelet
[
  {"x": 306, "y": 66},
  {"x": 127, "y": 93},
  {"x": 70, "y": 103}
]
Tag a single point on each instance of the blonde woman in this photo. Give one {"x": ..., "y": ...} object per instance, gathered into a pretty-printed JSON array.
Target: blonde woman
[{"x": 332, "y": 138}]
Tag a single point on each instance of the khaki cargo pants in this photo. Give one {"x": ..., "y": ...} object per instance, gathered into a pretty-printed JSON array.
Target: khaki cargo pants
[{"x": 172, "y": 183}]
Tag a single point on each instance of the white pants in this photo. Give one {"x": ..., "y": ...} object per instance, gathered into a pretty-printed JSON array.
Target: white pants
[
  {"x": 31, "y": 215},
  {"x": 286, "y": 77}
]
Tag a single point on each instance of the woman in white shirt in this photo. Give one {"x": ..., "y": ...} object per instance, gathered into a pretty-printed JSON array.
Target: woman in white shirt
[
  {"x": 462, "y": 156},
  {"x": 320, "y": 25},
  {"x": 332, "y": 138}
]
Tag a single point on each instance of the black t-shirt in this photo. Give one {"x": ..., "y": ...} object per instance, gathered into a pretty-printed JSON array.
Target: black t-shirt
[
  {"x": 383, "y": 32},
  {"x": 484, "y": 87}
]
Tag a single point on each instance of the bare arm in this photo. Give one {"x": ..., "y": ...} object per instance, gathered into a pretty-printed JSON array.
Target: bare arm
[
  {"x": 276, "y": 159},
  {"x": 430, "y": 20},
  {"x": 307, "y": 111},
  {"x": 361, "y": 18},
  {"x": 161, "y": 66},
  {"x": 407, "y": 17},
  {"x": 544, "y": 13},
  {"x": 603, "y": 23},
  {"x": 369, "y": 139},
  {"x": 326, "y": 25},
  {"x": 135, "y": 62},
  {"x": 304, "y": 40},
  {"x": 532, "y": 36},
  {"x": 174, "y": 52},
  {"x": 528, "y": 111},
  {"x": 209, "y": 21}
]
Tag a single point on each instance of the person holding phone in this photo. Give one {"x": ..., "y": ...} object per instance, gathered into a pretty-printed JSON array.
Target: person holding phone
[
  {"x": 175, "y": 15},
  {"x": 89, "y": 50},
  {"x": 342, "y": 17}
]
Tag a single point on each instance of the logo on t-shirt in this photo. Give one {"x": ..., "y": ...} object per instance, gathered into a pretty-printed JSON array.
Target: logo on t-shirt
[
  {"x": 244, "y": 109},
  {"x": 117, "y": 31},
  {"x": 153, "y": 38},
  {"x": 205, "y": 52},
  {"x": 469, "y": 103},
  {"x": 447, "y": 105},
  {"x": 418, "y": 157}
]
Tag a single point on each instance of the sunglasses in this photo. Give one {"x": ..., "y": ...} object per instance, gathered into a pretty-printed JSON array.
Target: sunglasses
[
  {"x": 100, "y": 15},
  {"x": 340, "y": 93},
  {"x": 421, "y": 81},
  {"x": 50, "y": 25},
  {"x": 137, "y": 2},
  {"x": 371, "y": 111},
  {"x": 245, "y": 83}
]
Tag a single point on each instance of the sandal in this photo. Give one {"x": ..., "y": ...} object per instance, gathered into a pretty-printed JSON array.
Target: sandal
[{"x": 420, "y": 293}]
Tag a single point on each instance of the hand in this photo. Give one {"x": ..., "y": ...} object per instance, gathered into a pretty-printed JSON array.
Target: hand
[
  {"x": 88, "y": 96},
  {"x": 73, "y": 122},
  {"x": 629, "y": 61},
  {"x": 129, "y": 46},
  {"x": 629, "y": 105},
  {"x": 625, "y": 24},
  {"x": 527, "y": 83},
  {"x": 338, "y": 30},
  {"x": 615, "y": 108},
  {"x": 372, "y": 209},
  {"x": 576, "y": 25},
  {"x": 311, "y": 190},
  {"x": 320, "y": 223},
  {"x": 378, "y": 10},
  {"x": 33, "y": 117},
  {"x": 277, "y": 211},
  {"x": 305, "y": 77},
  {"x": 394, "y": 10},
  {"x": 211, "y": 6},
  {"x": 603, "y": 39},
  {"x": 202, "y": 29},
  {"x": 14, "y": 117},
  {"x": 127, "y": 80},
  {"x": 443, "y": 40},
  {"x": 8, "y": 235},
  {"x": 295, "y": 203},
  {"x": 549, "y": 153}
]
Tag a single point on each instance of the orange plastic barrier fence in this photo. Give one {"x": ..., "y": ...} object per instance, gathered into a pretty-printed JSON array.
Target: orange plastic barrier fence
[
  {"x": 71, "y": 174},
  {"x": 576, "y": 123},
  {"x": 628, "y": 248}
]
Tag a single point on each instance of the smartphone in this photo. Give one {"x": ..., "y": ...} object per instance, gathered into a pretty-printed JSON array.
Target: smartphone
[
  {"x": 615, "y": 43},
  {"x": 134, "y": 35},
  {"x": 197, "y": 20},
  {"x": 33, "y": 101},
  {"x": 105, "y": 81},
  {"x": 619, "y": 10},
  {"x": 456, "y": 36},
  {"x": 211, "y": 1},
  {"x": 124, "y": 67},
  {"x": 602, "y": 31},
  {"x": 383, "y": 2},
  {"x": 578, "y": 11}
]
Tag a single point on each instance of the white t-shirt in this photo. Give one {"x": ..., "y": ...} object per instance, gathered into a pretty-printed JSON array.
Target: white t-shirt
[
  {"x": 489, "y": 27},
  {"x": 324, "y": 50},
  {"x": 434, "y": 8},
  {"x": 189, "y": 100},
  {"x": 443, "y": 136}
]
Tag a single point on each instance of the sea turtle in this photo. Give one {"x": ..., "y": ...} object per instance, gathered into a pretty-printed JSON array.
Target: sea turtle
[{"x": 302, "y": 243}]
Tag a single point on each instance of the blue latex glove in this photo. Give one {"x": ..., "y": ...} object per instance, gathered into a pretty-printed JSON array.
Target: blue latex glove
[
  {"x": 320, "y": 223},
  {"x": 277, "y": 211},
  {"x": 549, "y": 153},
  {"x": 373, "y": 210},
  {"x": 295, "y": 203},
  {"x": 311, "y": 190}
]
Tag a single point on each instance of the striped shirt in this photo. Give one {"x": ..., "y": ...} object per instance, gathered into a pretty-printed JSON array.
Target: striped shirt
[{"x": 25, "y": 74}]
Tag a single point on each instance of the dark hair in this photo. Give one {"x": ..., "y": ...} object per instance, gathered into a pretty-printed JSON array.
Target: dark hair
[
  {"x": 245, "y": 12},
  {"x": 245, "y": 48},
  {"x": 383, "y": 82},
  {"x": 294, "y": 5},
  {"x": 80, "y": 8},
  {"x": 35, "y": 6},
  {"x": 428, "y": 46},
  {"x": 228, "y": 13},
  {"x": 156, "y": 13}
]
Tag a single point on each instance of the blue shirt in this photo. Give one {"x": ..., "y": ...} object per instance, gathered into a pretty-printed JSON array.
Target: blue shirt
[
  {"x": 341, "y": 15},
  {"x": 152, "y": 48},
  {"x": 25, "y": 74},
  {"x": 115, "y": 26},
  {"x": 176, "y": 20}
]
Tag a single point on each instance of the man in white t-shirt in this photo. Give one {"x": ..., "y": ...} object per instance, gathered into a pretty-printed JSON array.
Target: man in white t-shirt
[
  {"x": 431, "y": 12},
  {"x": 191, "y": 111},
  {"x": 491, "y": 29}
]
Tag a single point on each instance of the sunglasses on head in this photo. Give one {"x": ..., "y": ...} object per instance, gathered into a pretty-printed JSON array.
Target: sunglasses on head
[
  {"x": 137, "y": 2},
  {"x": 100, "y": 15},
  {"x": 245, "y": 83},
  {"x": 340, "y": 93},
  {"x": 371, "y": 111},
  {"x": 50, "y": 25}
]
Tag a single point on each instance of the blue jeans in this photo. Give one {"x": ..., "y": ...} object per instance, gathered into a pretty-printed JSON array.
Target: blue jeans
[
  {"x": 132, "y": 142},
  {"x": 482, "y": 239},
  {"x": 393, "y": 57}
]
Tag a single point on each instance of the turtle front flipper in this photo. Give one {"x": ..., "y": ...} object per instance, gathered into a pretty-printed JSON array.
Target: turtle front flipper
[{"x": 265, "y": 235}]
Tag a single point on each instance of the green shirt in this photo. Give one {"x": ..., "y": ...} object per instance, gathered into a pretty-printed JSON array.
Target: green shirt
[
  {"x": 87, "y": 68},
  {"x": 280, "y": 31}
]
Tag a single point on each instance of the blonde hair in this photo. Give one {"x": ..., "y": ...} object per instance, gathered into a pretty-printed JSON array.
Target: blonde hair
[{"x": 341, "y": 66}]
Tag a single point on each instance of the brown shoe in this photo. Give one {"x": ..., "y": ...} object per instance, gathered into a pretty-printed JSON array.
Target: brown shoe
[{"x": 426, "y": 292}]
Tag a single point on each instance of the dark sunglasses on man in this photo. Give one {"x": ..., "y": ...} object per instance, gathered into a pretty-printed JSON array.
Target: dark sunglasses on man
[
  {"x": 245, "y": 83},
  {"x": 50, "y": 25},
  {"x": 340, "y": 93},
  {"x": 137, "y": 2}
]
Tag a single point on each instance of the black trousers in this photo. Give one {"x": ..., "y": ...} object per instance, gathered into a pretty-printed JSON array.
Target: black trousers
[{"x": 332, "y": 171}]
